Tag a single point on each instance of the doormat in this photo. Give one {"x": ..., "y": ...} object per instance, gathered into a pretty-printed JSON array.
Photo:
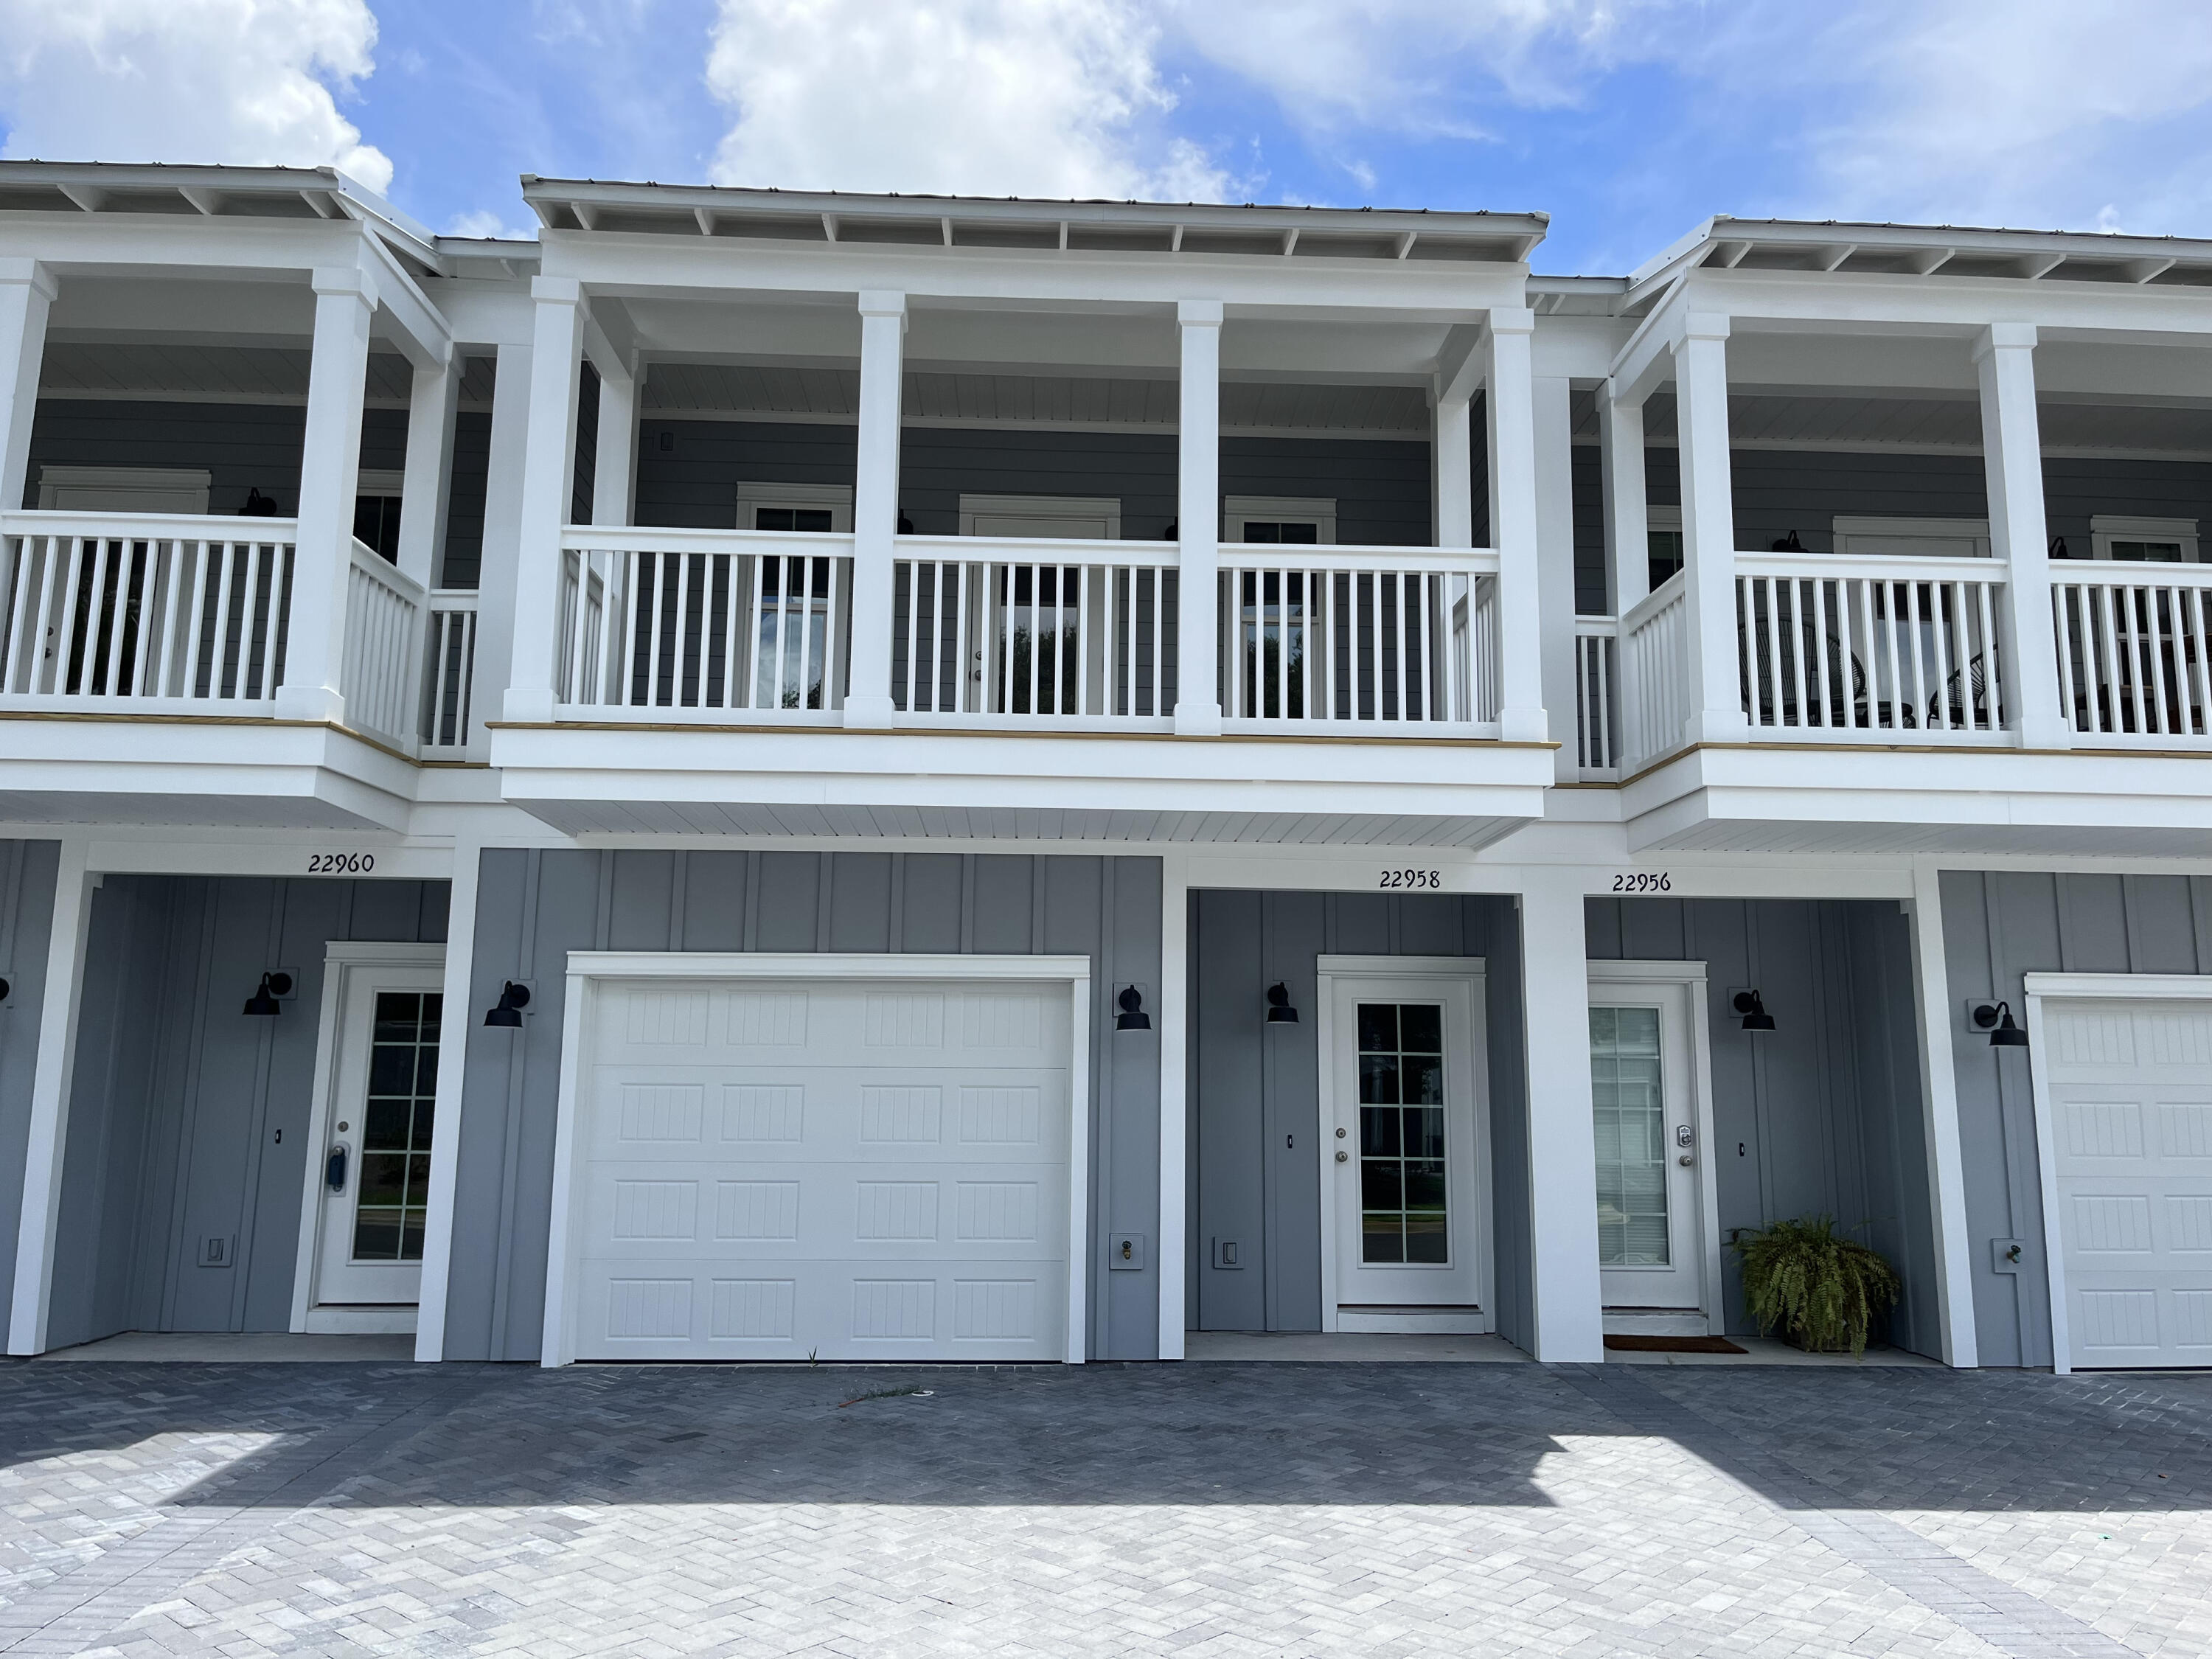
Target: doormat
[{"x": 1673, "y": 1345}]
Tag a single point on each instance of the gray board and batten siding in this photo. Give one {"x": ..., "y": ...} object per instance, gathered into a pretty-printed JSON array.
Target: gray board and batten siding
[
  {"x": 533, "y": 908},
  {"x": 1823, "y": 1115},
  {"x": 188, "y": 1118},
  {"x": 28, "y": 871},
  {"x": 1254, "y": 1118},
  {"x": 1999, "y": 927}
]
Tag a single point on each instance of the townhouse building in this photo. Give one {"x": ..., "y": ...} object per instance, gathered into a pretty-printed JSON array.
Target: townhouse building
[{"x": 771, "y": 775}]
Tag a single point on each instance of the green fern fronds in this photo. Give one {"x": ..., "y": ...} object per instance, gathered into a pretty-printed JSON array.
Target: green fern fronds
[{"x": 1822, "y": 1290}]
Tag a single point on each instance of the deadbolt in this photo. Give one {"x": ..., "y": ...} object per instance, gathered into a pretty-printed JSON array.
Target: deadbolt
[
  {"x": 1339, "y": 1134},
  {"x": 1343, "y": 1158}
]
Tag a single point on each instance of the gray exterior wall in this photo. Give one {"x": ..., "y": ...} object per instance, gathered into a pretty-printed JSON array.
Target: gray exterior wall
[
  {"x": 1999, "y": 927},
  {"x": 1822, "y": 1115},
  {"x": 1254, "y": 1089},
  {"x": 534, "y": 907},
  {"x": 27, "y": 915},
  {"x": 188, "y": 1118}
]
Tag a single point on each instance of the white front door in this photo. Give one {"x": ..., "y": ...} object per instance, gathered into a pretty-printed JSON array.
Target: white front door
[
  {"x": 1400, "y": 1130},
  {"x": 2131, "y": 1115},
  {"x": 374, "y": 1159},
  {"x": 1650, "y": 1221}
]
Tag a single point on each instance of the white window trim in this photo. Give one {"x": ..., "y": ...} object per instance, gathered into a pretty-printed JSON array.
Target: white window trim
[
  {"x": 1662, "y": 517},
  {"x": 1107, "y": 507},
  {"x": 1625, "y": 972},
  {"x": 341, "y": 959},
  {"x": 149, "y": 479},
  {"x": 1318, "y": 510},
  {"x": 1975, "y": 532},
  {"x": 588, "y": 970},
  {"x": 838, "y": 498},
  {"x": 2106, "y": 528},
  {"x": 379, "y": 481},
  {"x": 2077, "y": 987}
]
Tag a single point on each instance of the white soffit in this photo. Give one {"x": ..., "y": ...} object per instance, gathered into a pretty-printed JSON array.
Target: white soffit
[
  {"x": 1757, "y": 420},
  {"x": 272, "y": 375}
]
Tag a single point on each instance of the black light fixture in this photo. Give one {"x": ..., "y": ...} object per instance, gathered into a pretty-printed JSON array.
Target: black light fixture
[
  {"x": 1755, "y": 1016},
  {"x": 1789, "y": 544},
  {"x": 1995, "y": 1019},
  {"x": 1133, "y": 1017},
  {"x": 1279, "y": 1011},
  {"x": 263, "y": 1003},
  {"x": 508, "y": 1011}
]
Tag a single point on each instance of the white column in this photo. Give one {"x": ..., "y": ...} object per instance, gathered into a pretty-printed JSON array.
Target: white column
[
  {"x": 457, "y": 1022},
  {"x": 614, "y": 470},
  {"x": 1627, "y": 519},
  {"x": 1171, "y": 1007},
  {"x": 27, "y": 294},
  {"x": 1198, "y": 520},
  {"x": 1555, "y": 557},
  {"x": 549, "y": 481},
  {"x": 1513, "y": 529},
  {"x": 1453, "y": 469},
  {"x": 1568, "y": 1324},
  {"x": 330, "y": 481},
  {"x": 2012, "y": 459},
  {"x": 51, "y": 1076},
  {"x": 1708, "y": 531},
  {"x": 500, "y": 560},
  {"x": 1939, "y": 1088},
  {"x": 426, "y": 491},
  {"x": 875, "y": 508}
]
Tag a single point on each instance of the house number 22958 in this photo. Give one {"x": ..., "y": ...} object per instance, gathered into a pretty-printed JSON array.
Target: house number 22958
[{"x": 1411, "y": 879}]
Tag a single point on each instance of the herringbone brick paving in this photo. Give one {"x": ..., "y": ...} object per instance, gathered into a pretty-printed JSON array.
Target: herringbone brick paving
[{"x": 1205, "y": 1510}]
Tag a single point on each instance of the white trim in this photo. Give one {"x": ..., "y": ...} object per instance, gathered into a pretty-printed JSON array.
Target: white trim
[
  {"x": 1881, "y": 534},
  {"x": 341, "y": 958},
  {"x": 453, "y": 1035},
  {"x": 1695, "y": 976},
  {"x": 2106, "y": 528},
  {"x": 587, "y": 970},
  {"x": 838, "y": 498},
  {"x": 1940, "y": 1141},
  {"x": 1472, "y": 971},
  {"x": 123, "y": 484},
  {"x": 379, "y": 481},
  {"x": 2077, "y": 987},
  {"x": 384, "y": 1319},
  {"x": 53, "y": 1077},
  {"x": 1235, "y": 510},
  {"x": 1080, "y": 509},
  {"x": 1172, "y": 1012}
]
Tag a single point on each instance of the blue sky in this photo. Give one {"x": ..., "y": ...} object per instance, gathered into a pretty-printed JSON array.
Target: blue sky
[{"x": 1628, "y": 120}]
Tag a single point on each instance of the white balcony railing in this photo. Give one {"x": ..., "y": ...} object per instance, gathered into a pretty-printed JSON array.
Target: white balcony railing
[
  {"x": 1386, "y": 641},
  {"x": 144, "y": 613},
  {"x": 449, "y": 671},
  {"x": 1597, "y": 697},
  {"x": 670, "y": 624},
  {"x": 379, "y": 673},
  {"x": 1841, "y": 647},
  {"x": 2133, "y": 664},
  {"x": 1655, "y": 673},
  {"x": 1063, "y": 632}
]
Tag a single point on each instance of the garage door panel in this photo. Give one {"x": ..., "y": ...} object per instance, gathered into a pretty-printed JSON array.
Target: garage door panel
[{"x": 796, "y": 1210}]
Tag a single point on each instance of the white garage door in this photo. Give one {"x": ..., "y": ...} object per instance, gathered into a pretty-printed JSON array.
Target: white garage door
[
  {"x": 2131, "y": 1120},
  {"x": 846, "y": 1170}
]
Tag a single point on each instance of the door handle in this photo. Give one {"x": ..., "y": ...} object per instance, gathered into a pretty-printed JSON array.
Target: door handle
[{"x": 334, "y": 1172}]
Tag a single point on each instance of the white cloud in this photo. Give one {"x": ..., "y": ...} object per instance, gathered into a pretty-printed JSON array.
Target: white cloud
[
  {"x": 1051, "y": 98},
  {"x": 246, "y": 82},
  {"x": 485, "y": 223}
]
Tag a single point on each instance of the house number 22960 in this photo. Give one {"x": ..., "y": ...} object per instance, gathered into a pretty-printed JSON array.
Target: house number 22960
[
  {"x": 1644, "y": 881},
  {"x": 340, "y": 864},
  {"x": 1411, "y": 879}
]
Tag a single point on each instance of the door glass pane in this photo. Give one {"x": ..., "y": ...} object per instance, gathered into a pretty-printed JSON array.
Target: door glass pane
[
  {"x": 1402, "y": 1201},
  {"x": 1629, "y": 1095},
  {"x": 392, "y": 1191}
]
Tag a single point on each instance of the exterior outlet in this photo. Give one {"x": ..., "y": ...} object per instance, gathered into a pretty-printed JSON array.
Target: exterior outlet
[
  {"x": 1224, "y": 1253},
  {"x": 215, "y": 1250}
]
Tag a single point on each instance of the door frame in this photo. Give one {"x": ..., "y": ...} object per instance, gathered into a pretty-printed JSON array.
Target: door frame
[
  {"x": 341, "y": 960},
  {"x": 588, "y": 972},
  {"x": 1692, "y": 976},
  {"x": 1474, "y": 971},
  {"x": 2077, "y": 987}
]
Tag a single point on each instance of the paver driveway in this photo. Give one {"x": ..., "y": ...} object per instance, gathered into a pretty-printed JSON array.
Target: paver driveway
[{"x": 1200, "y": 1510}]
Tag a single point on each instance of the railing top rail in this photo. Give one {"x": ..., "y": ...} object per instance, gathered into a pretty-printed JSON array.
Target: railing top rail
[
  {"x": 148, "y": 527},
  {"x": 636, "y": 538},
  {"x": 1337, "y": 556},
  {"x": 1035, "y": 550},
  {"x": 454, "y": 599},
  {"x": 1598, "y": 626},
  {"x": 2115, "y": 573},
  {"x": 1874, "y": 567},
  {"x": 378, "y": 569},
  {"x": 1653, "y": 602}
]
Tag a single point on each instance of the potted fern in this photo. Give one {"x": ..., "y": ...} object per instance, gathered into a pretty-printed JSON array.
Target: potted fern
[{"x": 1823, "y": 1290}]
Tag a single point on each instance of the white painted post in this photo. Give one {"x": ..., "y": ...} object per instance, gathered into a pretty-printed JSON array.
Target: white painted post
[
  {"x": 1627, "y": 518},
  {"x": 1172, "y": 1004},
  {"x": 457, "y": 1023},
  {"x": 432, "y": 401},
  {"x": 1453, "y": 469},
  {"x": 329, "y": 481},
  {"x": 27, "y": 294},
  {"x": 614, "y": 470},
  {"x": 548, "y": 470},
  {"x": 1568, "y": 1325},
  {"x": 1510, "y": 395},
  {"x": 52, "y": 1076},
  {"x": 2012, "y": 458},
  {"x": 500, "y": 558},
  {"x": 1939, "y": 1088},
  {"x": 1708, "y": 531},
  {"x": 1198, "y": 519},
  {"x": 1555, "y": 558},
  {"x": 875, "y": 508}
]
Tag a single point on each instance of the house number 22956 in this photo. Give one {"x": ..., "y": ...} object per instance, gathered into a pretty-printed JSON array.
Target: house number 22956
[
  {"x": 1411, "y": 879},
  {"x": 1644, "y": 881}
]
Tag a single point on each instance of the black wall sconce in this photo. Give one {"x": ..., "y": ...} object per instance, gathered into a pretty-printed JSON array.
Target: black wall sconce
[
  {"x": 6, "y": 990},
  {"x": 263, "y": 1003},
  {"x": 508, "y": 1011},
  {"x": 1755, "y": 1016},
  {"x": 1133, "y": 1017},
  {"x": 1279, "y": 1011},
  {"x": 1995, "y": 1019}
]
